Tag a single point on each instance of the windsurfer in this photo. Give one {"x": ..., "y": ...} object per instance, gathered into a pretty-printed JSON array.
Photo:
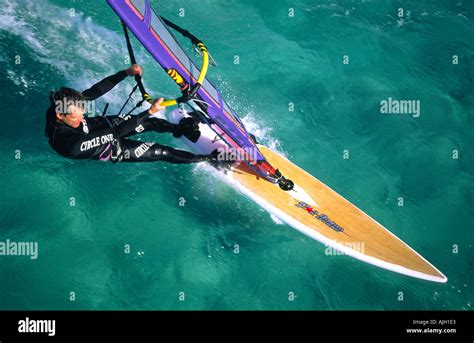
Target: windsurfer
[{"x": 74, "y": 135}]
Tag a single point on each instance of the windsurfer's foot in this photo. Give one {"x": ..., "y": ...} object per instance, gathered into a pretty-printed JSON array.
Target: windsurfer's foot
[
  {"x": 218, "y": 162},
  {"x": 214, "y": 159},
  {"x": 211, "y": 158}
]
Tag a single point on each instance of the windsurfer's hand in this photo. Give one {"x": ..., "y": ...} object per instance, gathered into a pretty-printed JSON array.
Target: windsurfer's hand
[
  {"x": 134, "y": 70},
  {"x": 155, "y": 107}
]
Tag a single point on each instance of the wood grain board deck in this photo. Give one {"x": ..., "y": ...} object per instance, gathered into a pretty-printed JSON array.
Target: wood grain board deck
[{"x": 324, "y": 215}]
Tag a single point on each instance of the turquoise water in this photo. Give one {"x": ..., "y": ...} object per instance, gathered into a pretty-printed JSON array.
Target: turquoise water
[{"x": 190, "y": 248}]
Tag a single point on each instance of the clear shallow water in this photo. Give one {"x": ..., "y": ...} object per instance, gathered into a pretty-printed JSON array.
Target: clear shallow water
[{"x": 190, "y": 249}]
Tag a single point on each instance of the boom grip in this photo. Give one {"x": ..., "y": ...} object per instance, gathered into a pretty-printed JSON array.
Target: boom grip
[{"x": 168, "y": 103}]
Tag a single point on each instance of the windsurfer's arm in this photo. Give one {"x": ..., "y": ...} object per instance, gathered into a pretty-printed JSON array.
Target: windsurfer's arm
[
  {"x": 129, "y": 125},
  {"x": 156, "y": 125},
  {"x": 101, "y": 138},
  {"x": 104, "y": 86},
  {"x": 94, "y": 144}
]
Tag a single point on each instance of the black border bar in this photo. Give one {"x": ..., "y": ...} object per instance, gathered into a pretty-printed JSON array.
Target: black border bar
[{"x": 238, "y": 323}]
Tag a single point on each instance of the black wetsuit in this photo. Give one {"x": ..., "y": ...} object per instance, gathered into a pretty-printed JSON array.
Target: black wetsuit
[{"x": 100, "y": 139}]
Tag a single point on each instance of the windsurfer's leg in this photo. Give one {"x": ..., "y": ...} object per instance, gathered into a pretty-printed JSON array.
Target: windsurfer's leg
[
  {"x": 149, "y": 124},
  {"x": 187, "y": 126},
  {"x": 159, "y": 125},
  {"x": 134, "y": 151}
]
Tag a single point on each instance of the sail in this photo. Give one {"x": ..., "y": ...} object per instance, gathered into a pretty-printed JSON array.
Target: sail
[{"x": 154, "y": 35}]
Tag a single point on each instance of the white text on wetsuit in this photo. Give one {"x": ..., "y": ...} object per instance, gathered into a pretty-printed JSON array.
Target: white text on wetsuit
[{"x": 93, "y": 143}]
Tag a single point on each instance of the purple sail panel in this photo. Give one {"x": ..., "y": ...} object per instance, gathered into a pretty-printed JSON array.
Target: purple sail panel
[{"x": 162, "y": 45}]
